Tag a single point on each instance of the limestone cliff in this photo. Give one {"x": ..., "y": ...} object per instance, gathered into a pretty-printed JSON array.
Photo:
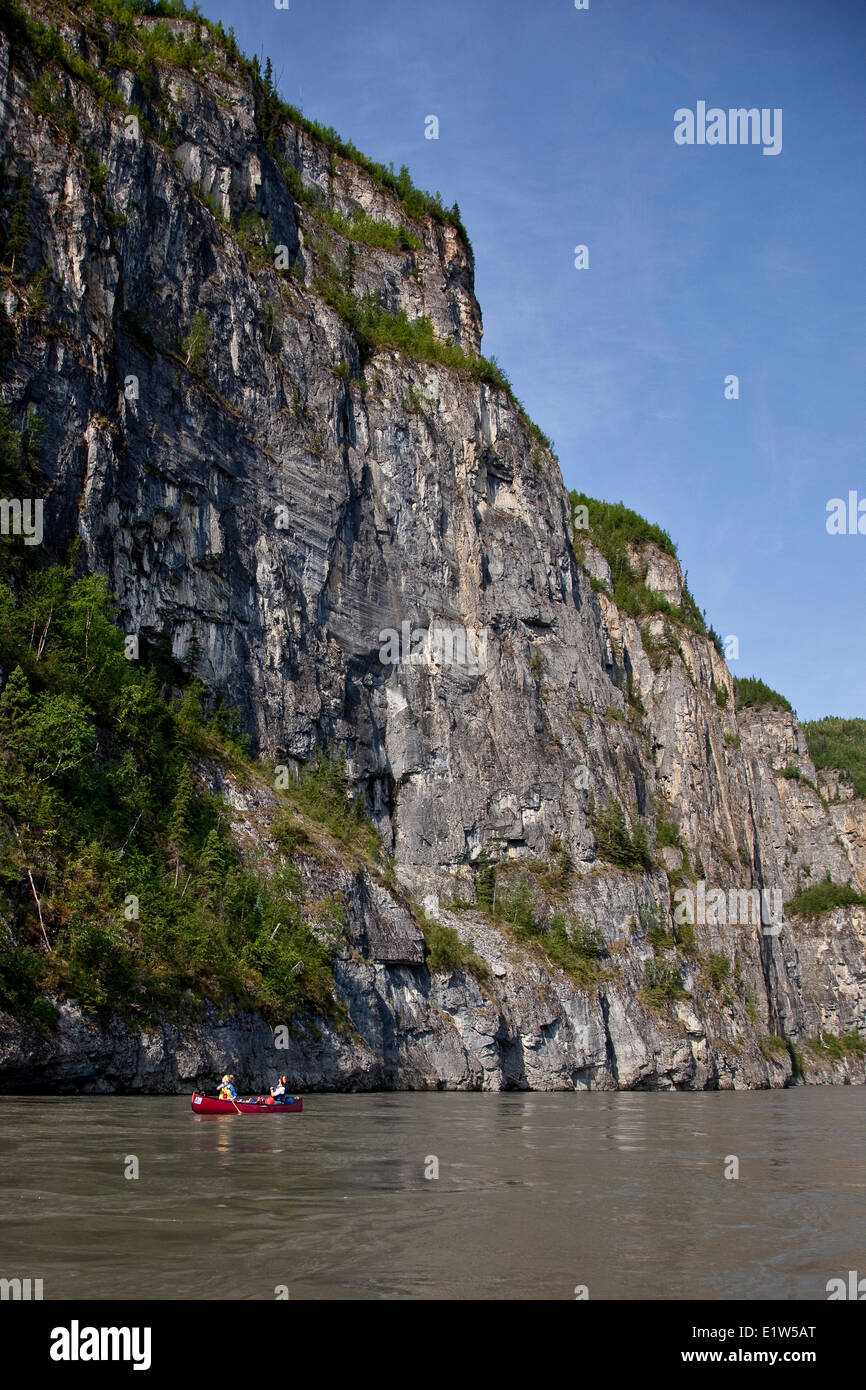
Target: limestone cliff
[{"x": 282, "y": 491}]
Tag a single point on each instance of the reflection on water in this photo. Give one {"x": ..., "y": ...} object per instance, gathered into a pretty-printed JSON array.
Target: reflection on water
[
  {"x": 219, "y": 1136},
  {"x": 536, "y": 1193}
]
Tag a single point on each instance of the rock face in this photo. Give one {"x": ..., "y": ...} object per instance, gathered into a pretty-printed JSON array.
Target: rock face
[{"x": 362, "y": 549}]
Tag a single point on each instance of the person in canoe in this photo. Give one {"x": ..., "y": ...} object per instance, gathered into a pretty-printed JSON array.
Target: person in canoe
[
  {"x": 279, "y": 1092},
  {"x": 227, "y": 1090}
]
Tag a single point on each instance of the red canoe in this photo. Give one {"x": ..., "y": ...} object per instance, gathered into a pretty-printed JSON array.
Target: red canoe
[{"x": 208, "y": 1105}]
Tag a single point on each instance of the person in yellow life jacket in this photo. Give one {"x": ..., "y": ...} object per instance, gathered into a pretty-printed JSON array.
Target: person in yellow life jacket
[{"x": 227, "y": 1090}]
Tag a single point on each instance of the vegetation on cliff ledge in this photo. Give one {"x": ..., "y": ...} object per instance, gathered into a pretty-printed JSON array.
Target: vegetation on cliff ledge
[
  {"x": 823, "y": 897},
  {"x": 120, "y": 882},
  {"x": 523, "y": 901},
  {"x": 618, "y": 532},
  {"x": 839, "y": 744},
  {"x": 752, "y": 693}
]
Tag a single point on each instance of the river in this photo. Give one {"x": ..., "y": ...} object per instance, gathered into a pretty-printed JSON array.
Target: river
[{"x": 537, "y": 1195}]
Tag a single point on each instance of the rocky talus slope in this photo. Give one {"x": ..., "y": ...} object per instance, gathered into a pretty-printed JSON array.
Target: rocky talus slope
[{"x": 279, "y": 500}]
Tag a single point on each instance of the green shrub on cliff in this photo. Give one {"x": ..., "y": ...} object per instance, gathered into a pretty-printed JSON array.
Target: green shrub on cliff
[
  {"x": 833, "y": 1048},
  {"x": 717, "y": 969},
  {"x": 839, "y": 744},
  {"x": 664, "y": 984},
  {"x": 372, "y": 231},
  {"x": 47, "y": 46},
  {"x": 322, "y": 793},
  {"x": 629, "y": 849},
  {"x": 614, "y": 528},
  {"x": 120, "y": 884},
  {"x": 823, "y": 897},
  {"x": 752, "y": 693},
  {"x": 193, "y": 347},
  {"x": 573, "y": 944},
  {"x": 19, "y": 451},
  {"x": 446, "y": 951},
  {"x": 376, "y": 328}
]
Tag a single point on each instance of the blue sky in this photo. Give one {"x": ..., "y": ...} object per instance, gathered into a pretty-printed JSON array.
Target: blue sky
[{"x": 556, "y": 129}]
